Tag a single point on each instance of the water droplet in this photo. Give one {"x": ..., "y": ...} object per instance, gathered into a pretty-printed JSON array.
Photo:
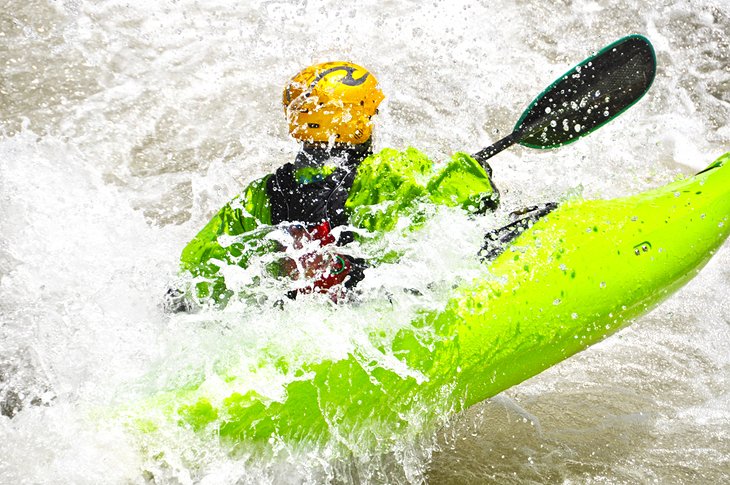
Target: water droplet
[
  {"x": 548, "y": 109},
  {"x": 720, "y": 224},
  {"x": 603, "y": 284},
  {"x": 556, "y": 301},
  {"x": 577, "y": 128},
  {"x": 574, "y": 316},
  {"x": 553, "y": 123},
  {"x": 677, "y": 194}
]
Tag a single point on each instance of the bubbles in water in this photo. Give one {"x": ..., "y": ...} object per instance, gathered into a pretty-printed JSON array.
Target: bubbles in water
[{"x": 93, "y": 225}]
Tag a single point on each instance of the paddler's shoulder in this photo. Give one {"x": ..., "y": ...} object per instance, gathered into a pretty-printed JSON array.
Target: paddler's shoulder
[
  {"x": 390, "y": 160},
  {"x": 251, "y": 203}
]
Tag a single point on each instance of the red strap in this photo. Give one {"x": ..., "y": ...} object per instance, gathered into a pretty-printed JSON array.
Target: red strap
[{"x": 321, "y": 232}]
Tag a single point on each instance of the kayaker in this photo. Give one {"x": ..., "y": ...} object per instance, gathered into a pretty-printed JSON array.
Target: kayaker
[{"x": 329, "y": 108}]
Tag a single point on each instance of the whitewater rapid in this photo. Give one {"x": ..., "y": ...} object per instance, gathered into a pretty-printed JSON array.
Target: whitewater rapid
[{"x": 126, "y": 124}]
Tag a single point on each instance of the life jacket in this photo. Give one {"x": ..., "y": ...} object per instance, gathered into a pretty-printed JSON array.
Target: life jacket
[{"x": 312, "y": 192}]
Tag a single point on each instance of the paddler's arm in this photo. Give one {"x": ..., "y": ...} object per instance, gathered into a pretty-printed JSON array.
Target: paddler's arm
[
  {"x": 391, "y": 183},
  {"x": 244, "y": 213}
]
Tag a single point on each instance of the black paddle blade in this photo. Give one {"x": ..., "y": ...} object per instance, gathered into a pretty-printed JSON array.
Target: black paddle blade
[{"x": 590, "y": 95}]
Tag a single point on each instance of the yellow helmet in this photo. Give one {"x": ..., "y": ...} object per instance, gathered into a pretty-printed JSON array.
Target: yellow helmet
[{"x": 332, "y": 101}]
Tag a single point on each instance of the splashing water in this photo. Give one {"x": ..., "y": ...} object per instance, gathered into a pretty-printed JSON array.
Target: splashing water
[{"x": 125, "y": 125}]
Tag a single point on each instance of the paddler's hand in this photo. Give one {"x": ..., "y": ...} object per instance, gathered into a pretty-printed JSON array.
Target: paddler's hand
[{"x": 322, "y": 270}]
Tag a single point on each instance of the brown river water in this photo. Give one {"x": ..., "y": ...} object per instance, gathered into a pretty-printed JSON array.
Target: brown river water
[{"x": 124, "y": 125}]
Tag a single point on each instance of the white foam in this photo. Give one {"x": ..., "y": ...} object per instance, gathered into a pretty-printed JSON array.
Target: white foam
[{"x": 129, "y": 123}]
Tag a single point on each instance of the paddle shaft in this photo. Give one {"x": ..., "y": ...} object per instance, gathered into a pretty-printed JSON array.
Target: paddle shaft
[{"x": 483, "y": 155}]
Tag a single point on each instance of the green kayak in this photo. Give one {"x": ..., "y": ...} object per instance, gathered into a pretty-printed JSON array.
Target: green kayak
[{"x": 571, "y": 279}]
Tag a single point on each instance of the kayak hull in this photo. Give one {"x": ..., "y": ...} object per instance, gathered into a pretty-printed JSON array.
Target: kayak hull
[{"x": 576, "y": 276}]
